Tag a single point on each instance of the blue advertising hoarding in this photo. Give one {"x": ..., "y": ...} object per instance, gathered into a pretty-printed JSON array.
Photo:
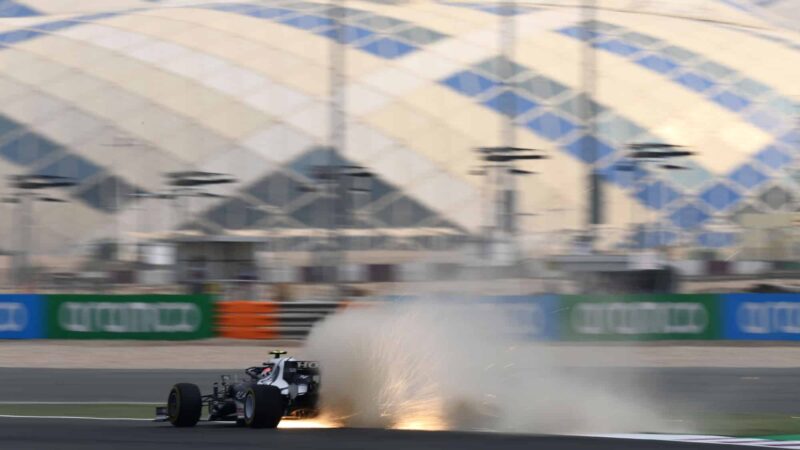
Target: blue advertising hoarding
[
  {"x": 21, "y": 317},
  {"x": 761, "y": 317},
  {"x": 534, "y": 317}
]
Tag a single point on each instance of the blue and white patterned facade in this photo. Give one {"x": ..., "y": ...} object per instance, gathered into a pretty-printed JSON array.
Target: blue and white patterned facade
[{"x": 115, "y": 97}]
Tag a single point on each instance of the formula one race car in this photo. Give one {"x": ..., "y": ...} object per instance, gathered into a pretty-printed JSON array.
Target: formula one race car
[{"x": 281, "y": 387}]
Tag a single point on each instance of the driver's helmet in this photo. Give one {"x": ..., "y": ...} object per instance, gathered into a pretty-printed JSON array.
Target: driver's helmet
[{"x": 266, "y": 371}]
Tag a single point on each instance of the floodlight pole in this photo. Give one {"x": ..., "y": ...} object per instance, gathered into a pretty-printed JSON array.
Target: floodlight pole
[
  {"x": 179, "y": 208},
  {"x": 796, "y": 128},
  {"x": 502, "y": 186},
  {"x": 594, "y": 215},
  {"x": 181, "y": 186},
  {"x": 500, "y": 161},
  {"x": 337, "y": 137},
  {"x": 26, "y": 237},
  {"x": 654, "y": 152},
  {"x": 506, "y": 195},
  {"x": 27, "y": 185}
]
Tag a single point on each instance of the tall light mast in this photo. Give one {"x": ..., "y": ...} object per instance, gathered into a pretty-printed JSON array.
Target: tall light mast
[{"x": 594, "y": 206}]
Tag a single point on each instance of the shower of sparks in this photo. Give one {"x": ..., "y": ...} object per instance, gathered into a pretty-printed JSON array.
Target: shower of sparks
[{"x": 306, "y": 424}]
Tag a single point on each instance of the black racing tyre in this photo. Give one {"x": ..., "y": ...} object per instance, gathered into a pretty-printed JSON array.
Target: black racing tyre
[
  {"x": 263, "y": 407},
  {"x": 184, "y": 405}
]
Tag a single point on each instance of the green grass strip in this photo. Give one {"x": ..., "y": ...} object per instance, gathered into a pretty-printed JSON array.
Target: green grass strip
[
  {"x": 747, "y": 425},
  {"x": 78, "y": 410}
]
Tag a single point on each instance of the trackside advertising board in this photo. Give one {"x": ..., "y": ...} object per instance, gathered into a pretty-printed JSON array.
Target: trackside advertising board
[
  {"x": 150, "y": 317},
  {"x": 21, "y": 317},
  {"x": 640, "y": 317},
  {"x": 533, "y": 317},
  {"x": 761, "y": 317}
]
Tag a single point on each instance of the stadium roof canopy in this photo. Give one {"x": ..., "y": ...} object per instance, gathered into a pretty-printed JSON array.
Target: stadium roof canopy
[{"x": 117, "y": 94}]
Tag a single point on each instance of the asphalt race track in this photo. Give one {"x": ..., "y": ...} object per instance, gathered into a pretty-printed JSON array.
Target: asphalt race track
[
  {"x": 726, "y": 390},
  {"x": 695, "y": 389},
  {"x": 40, "y": 434}
]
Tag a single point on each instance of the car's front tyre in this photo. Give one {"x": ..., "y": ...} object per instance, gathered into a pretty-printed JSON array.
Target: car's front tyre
[
  {"x": 184, "y": 405},
  {"x": 263, "y": 407}
]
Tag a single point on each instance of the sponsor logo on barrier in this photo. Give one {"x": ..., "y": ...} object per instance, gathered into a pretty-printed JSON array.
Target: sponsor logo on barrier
[
  {"x": 131, "y": 317},
  {"x": 526, "y": 318},
  {"x": 630, "y": 318},
  {"x": 538, "y": 321},
  {"x": 13, "y": 317},
  {"x": 768, "y": 317}
]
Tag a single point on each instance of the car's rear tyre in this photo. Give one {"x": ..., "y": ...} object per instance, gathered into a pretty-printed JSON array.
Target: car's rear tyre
[
  {"x": 263, "y": 407},
  {"x": 184, "y": 405}
]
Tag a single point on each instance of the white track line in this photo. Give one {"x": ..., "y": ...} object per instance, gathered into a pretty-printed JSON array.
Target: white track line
[
  {"x": 77, "y": 403},
  {"x": 750, "y": 442},
  {"x": 14, "y": 416}
]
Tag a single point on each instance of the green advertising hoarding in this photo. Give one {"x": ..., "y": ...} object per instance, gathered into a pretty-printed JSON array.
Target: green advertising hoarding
[
  {"x": 640, "y": 317},
  {"x": 152, "y": 317}
]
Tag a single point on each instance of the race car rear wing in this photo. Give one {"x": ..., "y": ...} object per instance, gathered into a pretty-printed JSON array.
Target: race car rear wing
[{"x": 293, "y": 369}]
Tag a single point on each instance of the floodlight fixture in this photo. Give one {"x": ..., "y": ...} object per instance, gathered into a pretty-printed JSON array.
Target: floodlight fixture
[
  {"x": 193, "y": 178},
  {"x": 41, "y": 181},
  {"x": 521, "y": 172},
  {"x": 654, "y": 154},
  {"x": 509, "y": 157},
  {"x": 652, "y": 146},
  {"x": 52, "y": 200},
  {"x": 505, "y": 149},
  {"x": 673, "y": 167}
]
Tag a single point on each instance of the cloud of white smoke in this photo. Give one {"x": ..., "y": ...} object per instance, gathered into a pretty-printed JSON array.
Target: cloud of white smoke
[{"x": 430, "y": 365}]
